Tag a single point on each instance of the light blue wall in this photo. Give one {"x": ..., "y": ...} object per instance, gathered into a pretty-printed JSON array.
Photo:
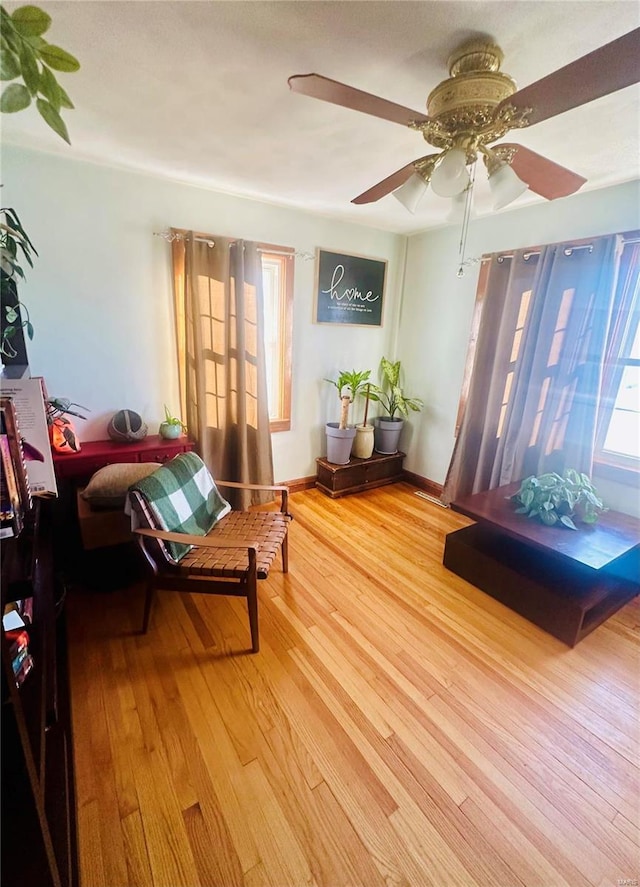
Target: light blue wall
[
  {"x": 100, "y": 296},
  {"x": 100, "y": 293}
]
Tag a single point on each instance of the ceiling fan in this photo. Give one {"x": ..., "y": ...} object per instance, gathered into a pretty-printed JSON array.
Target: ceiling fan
[{"x": 477, "y": 105}]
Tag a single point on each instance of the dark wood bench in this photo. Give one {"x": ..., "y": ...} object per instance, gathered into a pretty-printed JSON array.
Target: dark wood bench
[{"x": 567, "y": 582}]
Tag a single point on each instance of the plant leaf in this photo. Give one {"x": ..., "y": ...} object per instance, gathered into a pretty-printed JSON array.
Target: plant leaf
[
  {"x": 14, "y": 221},
  {"x": 30, "y": 71},
  {"x": 10, "y": 39},
  {"x": 36, "y": 42},
  {"x": 53, "y": 119},
  {"x": 65, "y": 101},
  {"x": 49, "y": 87},
  {"x": 59, "y": 59},
  {"x": 11, "y": 314},
  {"x": 30, "y": 21},
  {"x": 566, "y": 520},
  {"x": 29, "y": 328},
  {"x": 9, "y": 65},
  {"x": 15, "y": 97}
]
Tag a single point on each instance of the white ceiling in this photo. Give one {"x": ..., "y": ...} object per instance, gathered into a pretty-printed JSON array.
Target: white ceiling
[{"x": 197, "y": 91}]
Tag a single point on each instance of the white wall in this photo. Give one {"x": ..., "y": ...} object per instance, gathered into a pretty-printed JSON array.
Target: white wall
[
  {"x": 100, "y": 297},
  {"x": 100, "y": 293},
  {"x": 437, "y": 307}
]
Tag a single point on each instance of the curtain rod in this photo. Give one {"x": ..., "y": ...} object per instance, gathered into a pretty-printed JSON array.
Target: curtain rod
[
  {"x": 568, "y": 251},
  {"x": 177, "y": 235}
]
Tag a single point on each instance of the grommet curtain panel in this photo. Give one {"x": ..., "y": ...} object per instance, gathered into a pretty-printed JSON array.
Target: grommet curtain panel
[
  {"x": 221, "y": 358},
  {"x": 535, "y": 392}
]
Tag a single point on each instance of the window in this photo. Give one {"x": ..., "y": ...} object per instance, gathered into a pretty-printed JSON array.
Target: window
[
  {"x": 619, "y": 438},
  {"x": 623, "y": 433},
  {"x": 277, "y": 282}
]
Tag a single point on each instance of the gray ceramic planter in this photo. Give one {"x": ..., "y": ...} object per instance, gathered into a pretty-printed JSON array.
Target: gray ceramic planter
[
  {"x": 387, "y": 434},
  {"x": 339, "y": 441}
]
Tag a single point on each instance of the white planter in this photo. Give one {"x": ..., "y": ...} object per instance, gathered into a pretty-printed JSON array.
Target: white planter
[{"x": 363, "y": 443}]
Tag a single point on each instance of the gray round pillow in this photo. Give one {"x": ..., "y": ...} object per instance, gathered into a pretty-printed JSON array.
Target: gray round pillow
[{"x": 127, "y": 426}]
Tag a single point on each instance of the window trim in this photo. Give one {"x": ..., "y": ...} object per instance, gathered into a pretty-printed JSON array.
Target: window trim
[{"x": 287, "y": 257}]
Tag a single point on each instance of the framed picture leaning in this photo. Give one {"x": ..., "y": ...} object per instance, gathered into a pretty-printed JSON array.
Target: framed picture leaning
[{"x": 349, "y": 289}]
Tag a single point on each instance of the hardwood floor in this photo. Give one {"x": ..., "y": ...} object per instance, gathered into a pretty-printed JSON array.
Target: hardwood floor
[{"x": 398, "y": 726}]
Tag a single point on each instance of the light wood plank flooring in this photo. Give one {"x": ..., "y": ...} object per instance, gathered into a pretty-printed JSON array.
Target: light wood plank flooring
[{"x": 398, "y": 726}]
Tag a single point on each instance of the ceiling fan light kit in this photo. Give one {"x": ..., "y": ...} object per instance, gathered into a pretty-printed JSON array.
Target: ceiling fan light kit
[
  {"x": 450, "y": 177},
  {"x": 476, "y": 106},
  {"x": 505, "y": 186},
  {"x": 411, "y": 193}
]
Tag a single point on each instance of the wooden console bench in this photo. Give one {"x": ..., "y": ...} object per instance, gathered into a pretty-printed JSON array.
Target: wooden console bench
[
  {"x": 566, "y": 582},
  {"x": 359, "y": 474}
]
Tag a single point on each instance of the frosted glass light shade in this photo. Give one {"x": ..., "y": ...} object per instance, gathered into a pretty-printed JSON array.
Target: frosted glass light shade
[
  {"x": 505, "y": 186},
  {"x": 411, "y": 193},
  {"x": 450, "y": 177}
]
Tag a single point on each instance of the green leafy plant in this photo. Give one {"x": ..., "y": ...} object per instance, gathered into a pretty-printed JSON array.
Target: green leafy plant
[
  {"x": 391, "y": 394},
  {"x": 556, "y": 499},
  {"x": 15, "y": 247},
  {"x": 349, "y": 384},
  {"x": 173, "y": 420},
  {"x": 25, "y": 55}
]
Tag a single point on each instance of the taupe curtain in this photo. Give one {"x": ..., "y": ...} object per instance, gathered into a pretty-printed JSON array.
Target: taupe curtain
[
  {"x": 534, "y": 395},
  {"x": 221, "y": 359}
]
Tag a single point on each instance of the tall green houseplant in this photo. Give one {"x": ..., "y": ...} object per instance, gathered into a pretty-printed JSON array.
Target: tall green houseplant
[
  {"x": 27, "y": 64},
  {"x": 396, "y": 405},
  {"x": 340, "y": 434}
]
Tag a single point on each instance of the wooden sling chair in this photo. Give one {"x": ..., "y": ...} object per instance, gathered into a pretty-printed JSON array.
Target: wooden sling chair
[{"x": 192, "y": 541}]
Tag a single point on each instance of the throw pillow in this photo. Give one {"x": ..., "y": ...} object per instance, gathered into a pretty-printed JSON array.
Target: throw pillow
[{"x": 108, "y": 486}]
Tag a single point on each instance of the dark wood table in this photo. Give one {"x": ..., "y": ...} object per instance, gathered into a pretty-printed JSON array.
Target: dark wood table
[{"x": 565, "y": 581}]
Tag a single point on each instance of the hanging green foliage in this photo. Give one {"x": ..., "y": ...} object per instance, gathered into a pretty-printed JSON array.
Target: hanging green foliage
[
  {"x": 25, "y": 55},
  {"x": 15, "y": 248}
]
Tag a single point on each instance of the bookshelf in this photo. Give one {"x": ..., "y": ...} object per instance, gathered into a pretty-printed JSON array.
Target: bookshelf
[{"x": 38, "y": 795}]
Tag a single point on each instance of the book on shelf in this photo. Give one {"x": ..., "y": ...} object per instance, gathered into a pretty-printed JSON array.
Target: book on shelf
[
  {"x": 16, "y": 662},
  {"x": 27, "y": 395},
  {"x": 26, "y": 666},
  {"x": 17, "y": 640},
  {"x": 11, "y": 505}
]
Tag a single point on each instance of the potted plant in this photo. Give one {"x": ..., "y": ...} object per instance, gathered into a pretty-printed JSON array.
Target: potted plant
[
  {"x": 171, "y": 427},
  {"x": 394, "y": 401},
  {"x": 340, "y": 434},
  {"x": 559, "y": 500},
  {"x": 62, "y": 432},
  {"x": 364, "y": 439}
]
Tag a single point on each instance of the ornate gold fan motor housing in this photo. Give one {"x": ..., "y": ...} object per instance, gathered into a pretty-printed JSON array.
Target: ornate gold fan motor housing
[{"x": 462, "y": 109}]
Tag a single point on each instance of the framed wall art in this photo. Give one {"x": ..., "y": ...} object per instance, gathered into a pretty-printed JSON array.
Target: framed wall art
[{"x": 349, "y": 289}]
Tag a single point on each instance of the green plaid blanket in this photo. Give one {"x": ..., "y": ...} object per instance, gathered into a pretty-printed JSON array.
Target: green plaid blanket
[{"x": 182, "y": 498}]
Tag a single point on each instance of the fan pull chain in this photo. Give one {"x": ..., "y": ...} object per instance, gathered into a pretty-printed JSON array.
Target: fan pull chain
[{"x": 466, "y": 218}]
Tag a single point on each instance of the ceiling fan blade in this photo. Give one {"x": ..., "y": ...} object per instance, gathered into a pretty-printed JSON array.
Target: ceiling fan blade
[
  {"x": 546, "y": 178},
  {"x": 318, "y": 87},
  {"x": 601, "y": 72},
  {"x": 386, "y": 186}
]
